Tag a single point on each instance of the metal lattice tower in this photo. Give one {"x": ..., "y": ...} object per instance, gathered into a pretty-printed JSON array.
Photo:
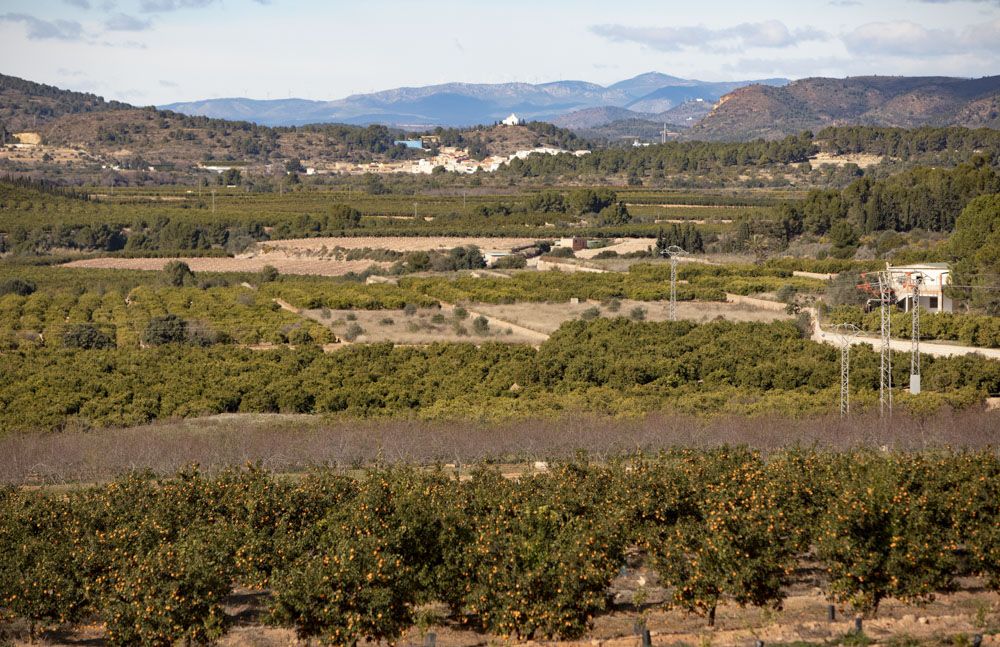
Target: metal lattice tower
[
  {"x": 675, "y": 253},
  {"x": 914, "y": 281},
  {"x": 885, "y": 363},
  {"x": 846, "y": 332}
]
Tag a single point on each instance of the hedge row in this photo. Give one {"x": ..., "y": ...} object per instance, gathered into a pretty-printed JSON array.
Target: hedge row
[
  {"x": 346, "y": 560},
  {"x": 606, "y": 366}
]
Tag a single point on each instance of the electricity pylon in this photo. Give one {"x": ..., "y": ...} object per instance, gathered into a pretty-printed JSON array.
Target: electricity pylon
[
  {"x": 914, "y": 280},
  {"x": 882, "y": 290},
  {"x": 674, "y": 252},
  {"x": 846, "y": 332}
]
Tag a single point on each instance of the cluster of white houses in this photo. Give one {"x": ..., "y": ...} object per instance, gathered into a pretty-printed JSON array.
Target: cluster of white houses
[{"x": 456, "y": 160}]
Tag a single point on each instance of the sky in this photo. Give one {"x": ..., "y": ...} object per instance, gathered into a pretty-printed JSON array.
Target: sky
[{"x": 153, "y": 52}]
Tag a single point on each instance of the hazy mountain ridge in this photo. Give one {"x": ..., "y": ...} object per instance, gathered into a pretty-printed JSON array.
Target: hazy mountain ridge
[
  {"x": 460, "y": 104},
  {"x": 813, "y": 103}
]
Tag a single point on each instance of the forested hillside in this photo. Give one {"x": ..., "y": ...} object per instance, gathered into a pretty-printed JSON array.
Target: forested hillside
[{"x": 811, "y": 104}]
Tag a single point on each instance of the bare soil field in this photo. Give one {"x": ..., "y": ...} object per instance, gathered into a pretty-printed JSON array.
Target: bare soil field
[
  {"x": 394, "y": 243},
  {"x": 34, "y": 153},
  {"x": 284, "y": 263},
  {"x": 547, "y": 317},
  {"x": 315, "y": 256},
  {"x": 425, "y": 326},
  {"x": 621, "y": 245},
  {"x": 863, "y": 160},
  {"x": 517, "y": 323}
]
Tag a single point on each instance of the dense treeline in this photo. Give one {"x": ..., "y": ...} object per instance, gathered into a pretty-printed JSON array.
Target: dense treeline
[
  {"x": 672, "y": 157},
  {"x": 347, "y": 560},
  {"x": 960, "y": 144},
  {"x": 613, "y": 366},
  {"x": 924, "y": 198},
  {"x": 974, "y": 250}
]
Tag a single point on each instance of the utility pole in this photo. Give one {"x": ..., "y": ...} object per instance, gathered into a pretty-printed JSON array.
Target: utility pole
[
  {"x": 213, "y": 201},
  {"x": 846, "y": 332},
  {"x": 674, "y": 252}
]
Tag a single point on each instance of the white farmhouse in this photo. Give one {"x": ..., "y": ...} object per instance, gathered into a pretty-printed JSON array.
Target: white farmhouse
[
  {"x": 933, "y": 278},
  {"x": 512, "y": 120}
]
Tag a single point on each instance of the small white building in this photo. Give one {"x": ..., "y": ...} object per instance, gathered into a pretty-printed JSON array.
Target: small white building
[
  {"x": 576, "y": 243},
  {"x": 933, "y": 278},
  {"x": 512, "y": 120},
  {"x": 492, "y": 256}
]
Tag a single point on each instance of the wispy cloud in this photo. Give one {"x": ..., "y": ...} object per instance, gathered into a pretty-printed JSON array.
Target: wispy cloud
[
  {"x": 909, "y": 39},
  {"x": 38, "y": 29},
  {"x": 128, "y": 44},
  {"x": 81, "y": 4},
  {"x": 994, "y": 2},
  {"x": 125, "y": 22},
  {"x": 845, "y": 3},
  {"x": 767, "y": 34},
  {"x": 159, "y": 6}
]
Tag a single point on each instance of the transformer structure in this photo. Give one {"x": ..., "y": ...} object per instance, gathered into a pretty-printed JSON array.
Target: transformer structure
[
  {"x": 879, "y": 284},
  {"x": 846, "y": 332},
  {"x": 674, "y": 252}
]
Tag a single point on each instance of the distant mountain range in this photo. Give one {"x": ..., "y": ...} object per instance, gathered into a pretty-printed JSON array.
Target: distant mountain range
[
  {"x": 769, "y": 109},
  {"x": 463, "y": 104}
]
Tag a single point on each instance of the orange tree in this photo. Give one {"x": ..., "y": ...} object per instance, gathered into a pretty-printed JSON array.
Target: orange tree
[
  {"x": 38, "y": 581},
  {"x": 886, "y": 532},
  {"x": 265, "y": 515},
  {"x": 346, "y": 583},
  {"x": 976, "y": 500},
  {"x": 543, "y": 552},
  {"x": 375, "y": 552},
  {"x": 156, "y": 558},
  {"x": 738, "y": 542}
]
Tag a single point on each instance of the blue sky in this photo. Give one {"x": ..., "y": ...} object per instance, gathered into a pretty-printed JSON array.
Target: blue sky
[{"x": 158, "y": 51}]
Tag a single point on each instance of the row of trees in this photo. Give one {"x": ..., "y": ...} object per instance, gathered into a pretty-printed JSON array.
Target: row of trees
[
  {"x": 613, "y": 366},
  {"x": 349, "y": 560}
]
